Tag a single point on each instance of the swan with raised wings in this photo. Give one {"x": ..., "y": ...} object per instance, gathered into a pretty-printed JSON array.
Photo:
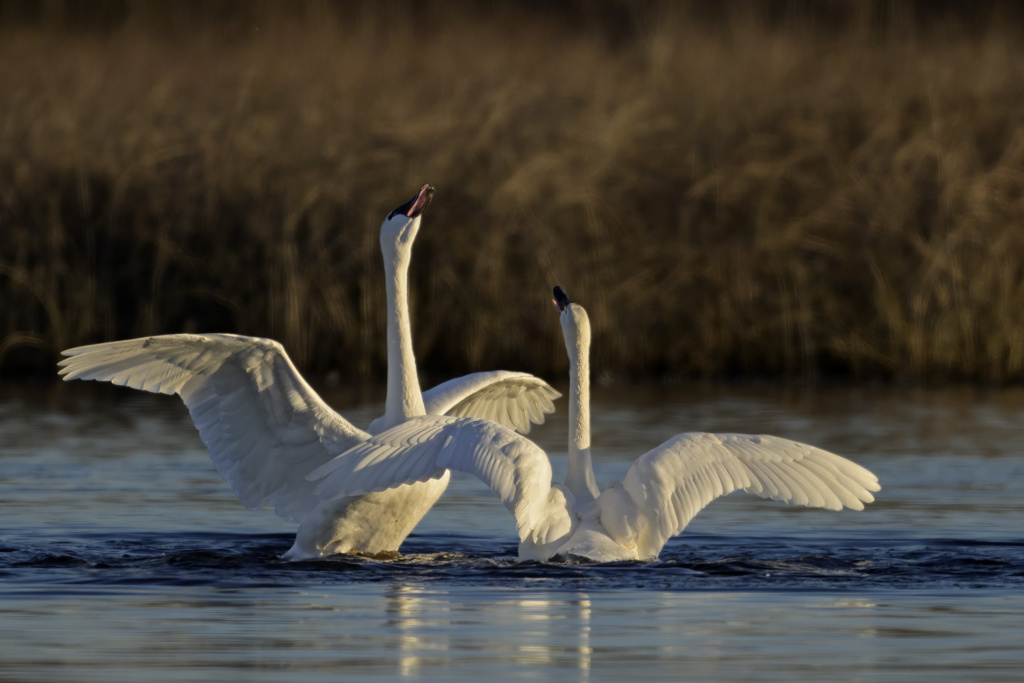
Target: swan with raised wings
[
  {"x": 266, "y": 428},
  {"x": 632, "y": 520}
]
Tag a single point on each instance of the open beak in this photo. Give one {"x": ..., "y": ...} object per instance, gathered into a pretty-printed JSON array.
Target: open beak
[{"x": 421, "y": 200}]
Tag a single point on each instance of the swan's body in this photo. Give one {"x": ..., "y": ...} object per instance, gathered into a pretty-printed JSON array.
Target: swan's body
[
  {"x": 662, "y": 491},
  {"x": 266, "y": 428}
]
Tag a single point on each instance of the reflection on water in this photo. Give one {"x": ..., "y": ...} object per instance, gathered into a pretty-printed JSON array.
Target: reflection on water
[
  {"x": 444, "y": 628},
  {"x": 388, "y": 632},
  {"x": 125, "y": 557}
]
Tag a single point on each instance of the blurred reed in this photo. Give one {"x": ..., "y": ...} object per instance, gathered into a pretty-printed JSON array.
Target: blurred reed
[{"x": 742, "y": 199}]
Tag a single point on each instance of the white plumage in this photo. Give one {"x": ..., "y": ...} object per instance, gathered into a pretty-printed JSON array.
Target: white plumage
[
  {"x": 266, "y": 428},
  {"x": 662, "y": 491}
]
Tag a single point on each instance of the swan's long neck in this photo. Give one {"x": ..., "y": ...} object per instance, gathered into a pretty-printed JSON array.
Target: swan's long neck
[
  {"x": 404, "y": 399},
  {"x": 580, "y": 478}
]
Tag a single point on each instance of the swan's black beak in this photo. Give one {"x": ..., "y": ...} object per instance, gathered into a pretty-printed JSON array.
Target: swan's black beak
[
  {"x": 414, "y": 207},
  {"x": 561, "y": 299}
]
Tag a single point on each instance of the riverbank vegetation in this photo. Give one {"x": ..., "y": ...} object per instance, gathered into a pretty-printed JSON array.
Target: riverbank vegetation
[{"x": 750, "y": 193}]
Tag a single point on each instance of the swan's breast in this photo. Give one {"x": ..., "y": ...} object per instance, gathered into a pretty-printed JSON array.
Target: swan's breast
[{"x": 619, "y": 517}]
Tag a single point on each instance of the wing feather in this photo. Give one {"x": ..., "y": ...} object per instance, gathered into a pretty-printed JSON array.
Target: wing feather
[
  {"x": 513, "y": 399},
  {"x": 422, "y": 448},
  {"x": 263, "y": 425},
  {"x": 670, "y": 484}
]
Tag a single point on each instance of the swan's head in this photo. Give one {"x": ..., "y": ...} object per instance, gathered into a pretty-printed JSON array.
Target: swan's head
[
  {"x": 575, "y": 324},
  {"x": 400, "y": 227}
]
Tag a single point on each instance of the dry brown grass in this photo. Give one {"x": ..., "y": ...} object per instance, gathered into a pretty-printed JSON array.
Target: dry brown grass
[{"x": 725, "y": 202}]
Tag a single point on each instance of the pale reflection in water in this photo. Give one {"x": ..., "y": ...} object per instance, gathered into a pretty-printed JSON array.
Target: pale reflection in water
[
  {"x": 548, "y": 633},
  {"x": 421, "y": 625}
]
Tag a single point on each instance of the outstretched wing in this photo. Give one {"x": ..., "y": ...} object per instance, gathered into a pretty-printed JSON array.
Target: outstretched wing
[
  {"x": 672, "y": 483},
  {"x": 263, "y": 424},
  {"x": 512, "y": 399},
  {"x": 422, "y": 448}
]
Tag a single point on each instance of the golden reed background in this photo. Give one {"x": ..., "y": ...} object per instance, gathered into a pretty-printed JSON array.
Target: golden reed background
[{"x": 809, "y": 190}]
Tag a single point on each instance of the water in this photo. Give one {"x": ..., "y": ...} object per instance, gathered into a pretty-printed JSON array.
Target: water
[{"x": 124, "y": 556}]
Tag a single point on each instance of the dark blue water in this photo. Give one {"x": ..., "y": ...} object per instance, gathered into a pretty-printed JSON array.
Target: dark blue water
[
  {"x": 700, "y": 562},
  {"x": 123, "y": 556}
]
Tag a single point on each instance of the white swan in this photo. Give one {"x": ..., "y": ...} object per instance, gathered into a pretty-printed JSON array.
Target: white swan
[
  {"x": 266, "y": 428},
  {"x": 662, "y": 491}
]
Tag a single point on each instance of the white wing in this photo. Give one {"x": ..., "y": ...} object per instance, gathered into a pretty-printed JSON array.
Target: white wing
[
  {"x": 422, "y": 448},
  {"x": 673, "y": 482},
  {"x": 513, "y": 399},
  {"x": 264, "y": 426}
]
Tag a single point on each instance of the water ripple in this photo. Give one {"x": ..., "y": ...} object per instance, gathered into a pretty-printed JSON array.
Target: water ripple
[{"x": 230, "y": 560}]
